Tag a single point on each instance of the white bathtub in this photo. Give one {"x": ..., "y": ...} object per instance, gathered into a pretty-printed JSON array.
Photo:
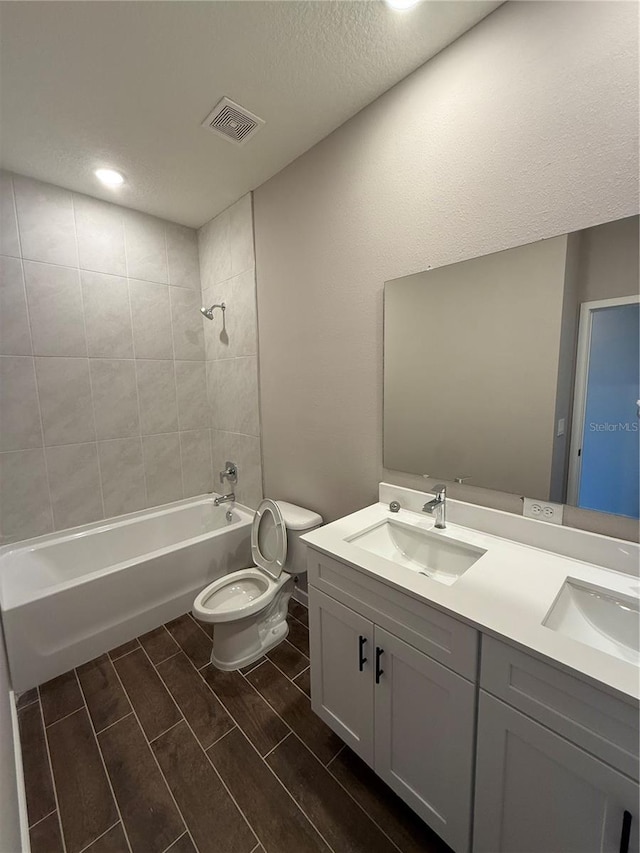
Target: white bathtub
[{"x": 70, "y": 596}]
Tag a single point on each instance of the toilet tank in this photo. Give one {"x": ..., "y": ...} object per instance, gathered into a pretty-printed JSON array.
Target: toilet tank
[{"x": 298, "y": 521}]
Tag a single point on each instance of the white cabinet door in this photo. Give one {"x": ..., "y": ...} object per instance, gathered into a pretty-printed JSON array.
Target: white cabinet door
[
  {"x": 538, "y": 793},
  {"x": 424, "y": 739},
  {"x": 341, "y": 644}
]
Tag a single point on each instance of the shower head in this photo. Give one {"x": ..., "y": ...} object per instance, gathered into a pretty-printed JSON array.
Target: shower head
[{"x": 208, "y": 312}]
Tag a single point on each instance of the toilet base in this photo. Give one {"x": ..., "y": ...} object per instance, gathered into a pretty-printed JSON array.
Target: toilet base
[
  {"x": 275, "y": 636},
  {"x": 238, "y": 643}
]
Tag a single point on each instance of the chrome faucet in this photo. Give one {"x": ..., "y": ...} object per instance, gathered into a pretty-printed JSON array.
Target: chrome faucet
[
  {"x": 230, "y": 473},
  {"x": 223, "y": 499},
  {"x": 438, "y": 505}
]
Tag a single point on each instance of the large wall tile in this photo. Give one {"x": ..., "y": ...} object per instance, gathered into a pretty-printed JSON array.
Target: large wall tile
[
  {"x": 15, "y": 338},
  {"x": 151, "y": 316},
  {"x": 241, "y": 235},
  {"x": 182, "y": 257},
  {"x": 19, "y": 415},
  {"x": 122, "y": 475},
  {"x": 55, "y": 310},
  {"x": 45, "y": 222},
  {"x": 157, "y": 395},
  {"x": 146, "y": 247},
  {"x": 233, "y": 394},
  {"x": 244, "y": 450},
  {"x": 9, "y": 242},
  {"x": 162, "y": 468},
  {"x": 191, "y": 386},
  {"x": 64, "y": 389},
  {"x": 100, "y": 235},
  {"x": 195, "y": 449},
  {"x": 24, "y": 496},
  {"x": 188, "y": 332},
  {"x": 214, "y": 251},
  {"x": 74, "y": 484},
  {"x": 107, "y": 315},
  {"x": 115, "y": 398},
  {"x": 238, "y": 335}
]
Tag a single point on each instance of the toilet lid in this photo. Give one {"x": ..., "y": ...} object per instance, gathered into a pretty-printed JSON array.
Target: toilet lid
[{"x": 269, "y": 539}]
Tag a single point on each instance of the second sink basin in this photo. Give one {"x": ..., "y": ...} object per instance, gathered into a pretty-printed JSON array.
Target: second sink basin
[
  {"x": 440, "y": 558},
  {"x": 599, "y": 617}
]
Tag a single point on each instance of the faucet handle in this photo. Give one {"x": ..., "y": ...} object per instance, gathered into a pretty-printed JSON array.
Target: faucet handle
[
  {"x": 440, "y": 490},
  {"x": 230, "y": 473}
]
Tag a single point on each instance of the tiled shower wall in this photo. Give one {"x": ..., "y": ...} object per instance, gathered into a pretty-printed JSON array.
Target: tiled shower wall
[
  {"x": 227, "y": 267},
  {"x": 103, "y": 396}
]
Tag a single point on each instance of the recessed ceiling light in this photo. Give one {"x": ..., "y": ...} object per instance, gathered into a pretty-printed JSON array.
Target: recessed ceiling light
[
  {"x": 401, "y": 5},
  {"x": 109, "y": 177}
]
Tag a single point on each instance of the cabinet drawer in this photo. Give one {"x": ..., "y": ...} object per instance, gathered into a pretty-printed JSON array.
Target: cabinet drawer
[
  {"x": 427, "y": 629},
  {"x": 605, "y": 726}
]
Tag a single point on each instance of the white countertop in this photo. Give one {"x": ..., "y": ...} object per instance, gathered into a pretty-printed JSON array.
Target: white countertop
[{"x": 508, "y": 591}]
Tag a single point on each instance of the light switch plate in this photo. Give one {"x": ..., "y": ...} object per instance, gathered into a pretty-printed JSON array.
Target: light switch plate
[{"x": 542, "y": 510}]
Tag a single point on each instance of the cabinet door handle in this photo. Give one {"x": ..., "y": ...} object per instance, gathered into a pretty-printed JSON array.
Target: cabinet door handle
[
  {"x": 361, "y": 658},
  {"x": 625, "y": 835},
  {"x": 379, "y": 671}
]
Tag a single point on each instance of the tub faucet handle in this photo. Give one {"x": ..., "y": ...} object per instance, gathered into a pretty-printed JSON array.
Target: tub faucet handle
[{"x": 230, "y": 473}]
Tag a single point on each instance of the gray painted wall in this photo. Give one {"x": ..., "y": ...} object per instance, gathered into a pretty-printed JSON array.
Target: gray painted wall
[{"x": 525, "y": 128}]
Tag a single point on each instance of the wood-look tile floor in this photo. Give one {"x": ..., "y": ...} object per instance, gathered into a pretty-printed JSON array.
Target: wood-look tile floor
[{"x": 149, "y": 749}]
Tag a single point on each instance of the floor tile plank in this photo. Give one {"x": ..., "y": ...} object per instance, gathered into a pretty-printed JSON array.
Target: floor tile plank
[
  {"x": 324, "y": 801},
  {"x": 106, "y": 700},
  {"x": 299, "y": 611},
  {"x": 304, "y": 681},
  {"x": 151, "y": 700},
  {"x": 150, "y": 817},
  {"x": 275, "y": 818},
  {"x": 84, "y": 797},
  {"x": 198, "y": 704},
  {"x": 159, "y": 644},
  {"x": 113, "y": 841},
  {"x": 35, "y": 762},
  {"x": 289, "y": 659},
  {"x": 410, "y": 833},
  {"x": 59, "y": 697},
  {"x": 250, "y": 711},
  {"x": 212, "y": 817},
  {"x": 295, "y": 709},
  {"x": 45, "y": 836},
  {"x": 207, "y": 627},
  {"x": 298, "y": 636},
  {"x": 124, "y": 649},
  {"x": 193, "y": 642},
  {"x": 27, "y": 698}
]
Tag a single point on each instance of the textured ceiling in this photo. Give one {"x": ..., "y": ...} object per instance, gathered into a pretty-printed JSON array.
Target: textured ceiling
[{"x": 127, "y": 84}]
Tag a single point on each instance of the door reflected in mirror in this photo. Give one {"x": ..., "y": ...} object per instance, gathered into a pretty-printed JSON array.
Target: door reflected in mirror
[{"x": 520, "y": 370}]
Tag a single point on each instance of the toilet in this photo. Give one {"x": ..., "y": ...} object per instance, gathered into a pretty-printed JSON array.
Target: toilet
[{"x": 249, "y": 607}]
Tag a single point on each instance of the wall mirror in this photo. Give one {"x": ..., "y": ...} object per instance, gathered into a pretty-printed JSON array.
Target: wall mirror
[{"x": 520, "y": 370}]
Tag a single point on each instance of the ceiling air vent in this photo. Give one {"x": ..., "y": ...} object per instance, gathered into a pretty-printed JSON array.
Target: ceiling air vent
[{"x": 233, "y": 122}]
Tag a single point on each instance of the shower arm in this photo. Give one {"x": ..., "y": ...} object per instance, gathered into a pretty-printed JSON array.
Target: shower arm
[{"x": 208, "y": 312}]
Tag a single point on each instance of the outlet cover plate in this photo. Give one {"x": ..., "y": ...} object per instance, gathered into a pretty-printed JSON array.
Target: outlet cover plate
[{"x": 543, "y": 510}]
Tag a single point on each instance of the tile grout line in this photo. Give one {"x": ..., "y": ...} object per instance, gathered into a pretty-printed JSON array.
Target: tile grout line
[
  {"x": 233, "y": 728},
  {"x": 124, "y": 654},
  {"x": 273, "y": 748},
  {"x": 53, "y": 811},
  {"x": 199, "y": 745},
  {"x": 335, "y": 756},
  {"x": 154, "y": 739},
  {"x": 53, "y": 778},
  {"x": 91, "y": 843},
  {"x": 167, "y": 849},
  {"x": 115, "y": 722},
  {"x": 104, "y": 766},
  {"x": 60, "y": 719}
]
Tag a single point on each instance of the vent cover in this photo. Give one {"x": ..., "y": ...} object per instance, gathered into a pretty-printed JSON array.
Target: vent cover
[{"x": 233, "y": 122}]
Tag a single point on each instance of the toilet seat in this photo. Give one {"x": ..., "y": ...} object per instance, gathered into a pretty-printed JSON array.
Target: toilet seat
[{"x": 245, "y": 592}]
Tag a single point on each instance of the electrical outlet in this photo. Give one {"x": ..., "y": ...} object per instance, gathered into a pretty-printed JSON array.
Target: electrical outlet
[{"x": 542, "y": 510}]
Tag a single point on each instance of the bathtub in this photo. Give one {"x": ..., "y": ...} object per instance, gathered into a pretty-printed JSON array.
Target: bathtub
[{"x": 68, "y": 597}]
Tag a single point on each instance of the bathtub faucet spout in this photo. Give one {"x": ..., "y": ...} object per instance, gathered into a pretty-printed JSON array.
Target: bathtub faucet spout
[{"x": 222, "y": 499}]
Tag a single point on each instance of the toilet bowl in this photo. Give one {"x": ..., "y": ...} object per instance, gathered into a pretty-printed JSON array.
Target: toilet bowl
[{"x": 249, "y": 607}]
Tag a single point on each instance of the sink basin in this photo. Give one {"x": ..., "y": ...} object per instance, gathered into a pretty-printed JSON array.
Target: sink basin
[
  {"x": 432, "y": 554},
  {"x": 599, "y": 617}
]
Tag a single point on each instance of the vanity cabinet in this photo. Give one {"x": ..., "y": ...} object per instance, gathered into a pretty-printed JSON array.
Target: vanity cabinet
[
  {"x": 408, "y": 716},
  {"x": 537, "y": 792}
]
